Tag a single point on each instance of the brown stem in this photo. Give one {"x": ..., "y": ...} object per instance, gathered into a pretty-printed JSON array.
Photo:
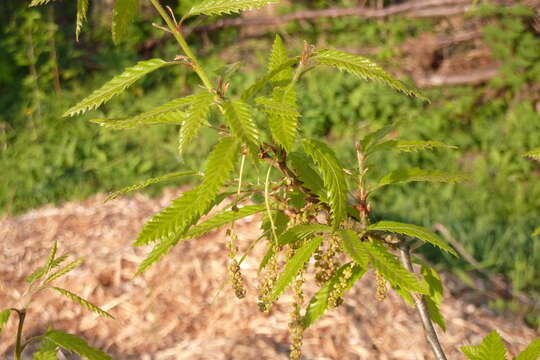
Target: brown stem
[
  {"x": 18, "y": 345},
  {"x": 421, "y": 306}
]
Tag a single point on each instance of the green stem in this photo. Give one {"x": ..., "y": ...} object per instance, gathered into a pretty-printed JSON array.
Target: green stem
[
  {"x": 183, "y": 44},
  {"x": 18, "y": 345}
]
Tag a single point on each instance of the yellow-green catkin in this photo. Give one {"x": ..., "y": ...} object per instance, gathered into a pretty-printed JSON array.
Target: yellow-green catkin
[
  {"x": 235, "y": 276},
  {"x": 325, "y": 261},
  {"x": 335, "y": 298},
  {"x": 382, "y": 290},
  {"x": 296, "y": 327},
  {"x": 267, "y": 282}
]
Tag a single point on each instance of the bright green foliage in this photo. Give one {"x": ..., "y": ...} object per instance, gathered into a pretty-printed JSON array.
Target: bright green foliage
[
  {"x": 223, "y": 218},
  {"x": 302, "y": 232},
  {"x": 186, "y": 209},
  {"x": 319, "y": 302},
  {"x": 66, "y": 269},
  {"x": 82, "y": 9},
  {"x": 278, "y": 56},
  {"x": 220, "y": 7},
  {"x": 415, "y": 174},
  {"x": 294, "y": 265},
  {"x": 532, "y": 352},
  {"x": 282, "y": 116},
  {"x": 4, "y": 317},
  {"x": 239, "y": 117},
  {"x": 363, "y": 68},
  {"x": 263, "y": 81},
  {"x": 491, "y": 348},
  {"x": 301, "y": 164},
  {"x": 169, "y": 113},
  {"x": 412, "y": 230},
  {"x": 536, "y": 232},
  {"x": 47, "y": 350},
  {"x": 333, "y": 177},
  {"x": 123, "y": 14},
  {"x": 116, "y": 86},
  {"x": 374, "y": 253},
  {"x": 534, "y": 154},
  {"x": 417, "y": 145},
  {"x": 149, "y": 182},
  {"x": 40, "y": 2},
  {"x": 435, "y": 296},
  {"x": 75, "y": 344},
  {"x": 79, "y": 300},
  {"x": 195, "y": 118}
]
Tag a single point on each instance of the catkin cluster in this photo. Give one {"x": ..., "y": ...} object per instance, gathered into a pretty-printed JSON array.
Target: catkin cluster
[
  {"x": 235, "y": 276},
  {"x": 296, "y": 326}
]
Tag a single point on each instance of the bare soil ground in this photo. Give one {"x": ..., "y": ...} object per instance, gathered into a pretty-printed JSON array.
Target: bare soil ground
[{"x": 172, "y": 312}]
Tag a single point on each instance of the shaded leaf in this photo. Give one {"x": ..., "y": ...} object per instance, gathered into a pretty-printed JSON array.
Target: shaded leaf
[
  {"x": 123, "y": 14},
  {"x": 260, "y": 83},
  {"x": 434, "y": 298},
  {"x": 302, "y": 232},
  {"x": 294, "y": 265},
  {"x": 149, "y": 182},
  {"x": 301, "y": 164},
  {"x": 412, "y": 230},
  {"x": 415, "y": 174},
  {"x": 116, "y": 85},
  {"x": 82, "y": 10},
  {"x": 333, "y": 178},
  {"x": 240, "y": 119},
  {"x": 319, "y": 302},
  {"x": 195, "y": 118},
  {"x": 40, "y": 2},
  {"x": 223, "y": 218},
  {"x": 76, "y": 345},
  {"x": 491, "y": 348},
  {"x": 536, "y": 232},
  {"x": 79, "y": 300},
  {"x": 46, "y": 350}
]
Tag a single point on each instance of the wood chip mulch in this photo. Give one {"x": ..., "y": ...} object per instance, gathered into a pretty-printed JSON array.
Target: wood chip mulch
[{"x": 172, "y": 311}]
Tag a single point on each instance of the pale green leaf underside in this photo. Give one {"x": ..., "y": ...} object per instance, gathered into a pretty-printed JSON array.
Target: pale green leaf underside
[
  {"x": 149, "y": 182},
  {"x": 168, "y": 113},
  {"x": 75, "y": 344},
  {"x": 534, "y": 154},
  {"x": 333, "y": 177},
  {"x": 66, "y": 269},
  {"x": 116, "y": 86},
  {"x": 123, "y": 14},
  {"x": 415, "y": 174},
  {"x": 536, "y": 232},
  {"x": 79, "y": 300},
  {"x": 47, "y": 350},
  {"x": 82, "y": 10},
  {"x": 412, "y": 230},
  {"x": 300, "y": 257},
  {"x": 362, "y": 68},
  {"x": 491, "y": 348},
  {"x": 319, "y": 302},
  {"x": 219, "y": 7},
  {"x": 374, "y": 253},
  {"x": 532, "y": 352},
  {"x": 4, "y": 317},
  {"x": 40, "y": 272},
  {"x": 418, "y": 145}
]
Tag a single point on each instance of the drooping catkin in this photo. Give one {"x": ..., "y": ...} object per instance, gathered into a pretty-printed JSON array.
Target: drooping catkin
[
  {"x": 336, "y": 293},
  {"x": 235, "y": 275},
  {"x": 267, "y": 282},
  {"x": 296, "y": 327},
  {"x": 382, "y": 290}
]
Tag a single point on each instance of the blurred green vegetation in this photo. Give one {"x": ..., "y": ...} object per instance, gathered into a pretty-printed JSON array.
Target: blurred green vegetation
[{"x": 45, "y": 158}]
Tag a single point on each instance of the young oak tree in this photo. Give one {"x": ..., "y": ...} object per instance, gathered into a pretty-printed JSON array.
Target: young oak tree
[{"x": 313, "y": 207}]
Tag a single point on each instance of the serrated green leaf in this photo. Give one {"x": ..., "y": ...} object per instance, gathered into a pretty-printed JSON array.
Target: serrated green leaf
[
  {"x": 279, "y": 56},
  {"x": 69, "y": 267},
  {"x": 260, "y": 83},
  {"x": 412, "y": 230},
  {"x": 373, "y": 138},
  {"x": 376, "y": 254},
  {"x": 434, "y": 312},
  {"x": 187, "y": 209},
  {"x": 301, "y": 165},
  {"x": 282, "y": 116},
  {"x": 534, "y": 154},
  {"x": 411, "y": 175},
  {"x": 116, "y": 85},
  {"x": 76, "y": 345},
  {"x": 46, "y": 350},
  {"x": 419, "y": 145},
  {"x": 123, "y": 14},
  {"x": 40, "y": 2},
  {"x": 79, "y": 300},
  {"x": 297, "y": 261},
  {"x": 532, "y": 352},
  {"x": 319, "y": 302},
  {"x": 149, "y": 182},
  {"x": 362, "y": 68},
  {"x": 302, "y": 232},
  {"x": 536, "y": 232},
  {"x": 4, "y": 317},
  {"x": 223, "y": 218},
  {"x": 220, "y": 7},
  {"x": 434, "y": 298},
  {"x": 195, "y": 118},
  {"x": 50, "y": 261},
  {"x": 491, "y": 348},
  {"x": 82, "y": 9},
  {"x": 333, "y": 178},
  {"x": 40, "y": 272},
  {"x": 168, "y": 113},
  {"x": 240, "y": 119}
]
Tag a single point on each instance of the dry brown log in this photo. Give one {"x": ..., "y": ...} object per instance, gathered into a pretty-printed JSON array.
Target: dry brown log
[{"x": 472, "y": 77}]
